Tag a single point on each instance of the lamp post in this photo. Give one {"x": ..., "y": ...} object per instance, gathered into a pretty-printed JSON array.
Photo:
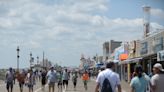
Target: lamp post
[
  {"x": 37, "y": 60},
  {"x": 43, "y": 61},
  {"x": 18, "y": 58},
  {"x": 30, "y": 59}
]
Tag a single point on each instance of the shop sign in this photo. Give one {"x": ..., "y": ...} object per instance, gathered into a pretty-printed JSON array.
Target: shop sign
[{"x": 123, "y": 57}]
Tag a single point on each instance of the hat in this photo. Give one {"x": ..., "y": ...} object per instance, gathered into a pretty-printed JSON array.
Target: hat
[{"x": 159, "y": 66}]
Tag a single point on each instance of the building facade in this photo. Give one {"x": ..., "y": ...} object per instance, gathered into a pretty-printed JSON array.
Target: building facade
[
  {"x": 109, "y": 48},
  {"x": 150, "y": 46}
]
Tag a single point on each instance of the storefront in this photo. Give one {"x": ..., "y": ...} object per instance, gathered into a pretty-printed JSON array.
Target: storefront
[
  {"x": 128, "y": 67},
  {"x": 150, "y": 47}
]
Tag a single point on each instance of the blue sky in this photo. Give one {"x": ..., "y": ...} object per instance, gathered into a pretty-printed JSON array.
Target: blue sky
[{"x": 64, "y": 29}]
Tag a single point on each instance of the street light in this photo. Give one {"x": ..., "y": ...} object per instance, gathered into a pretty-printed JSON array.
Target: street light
[
  {"x": 18, "y": 58},
  {"x": 30, "y": 59},
  {"x": 37, "y": 60}
]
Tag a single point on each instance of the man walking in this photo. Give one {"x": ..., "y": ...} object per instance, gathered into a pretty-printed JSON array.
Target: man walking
[
  {"x": 9, "y": 80},
  {"x": 51, "y": 76},
  {"x": 65, "y": 78},
  {"x": 74, "y": 79},
  {"x": 21, "y": 79},
  {"x": 157, "y": 80},
  {"x": 107, "y": 80}
]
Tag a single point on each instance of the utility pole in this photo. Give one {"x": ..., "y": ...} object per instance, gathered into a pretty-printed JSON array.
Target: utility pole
[
  {"x": 30, "y": 60},
  {"x": 43, "y": 59}
]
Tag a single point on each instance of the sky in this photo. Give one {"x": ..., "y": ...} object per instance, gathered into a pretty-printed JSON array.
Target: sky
[{"x": 65, "y": 29}]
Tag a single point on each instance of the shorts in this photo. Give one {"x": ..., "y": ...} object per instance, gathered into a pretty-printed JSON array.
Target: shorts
[
  {"x": 59, "y": 83},
  {"x": 43, "y": 82},
  {"x": 9, "y": 85},
  {"x": 65, "y": 82},
  {"x": 21, "y": 84},
  {"x": 74, "y": 83},
  {"x": 85, "y": 82},
  {"x": 30, "y": 85},
  {"x": 51, "y": 83}
]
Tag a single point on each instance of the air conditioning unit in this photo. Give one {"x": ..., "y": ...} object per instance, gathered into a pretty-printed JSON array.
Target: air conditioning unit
[{"x": 160, "y": 55}]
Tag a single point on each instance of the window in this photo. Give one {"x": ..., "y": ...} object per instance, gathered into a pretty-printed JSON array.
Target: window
[{"x": 144, "y": 48}]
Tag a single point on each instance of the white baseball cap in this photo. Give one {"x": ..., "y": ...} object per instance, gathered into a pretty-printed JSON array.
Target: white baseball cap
[{"x": 159, "y": 66}]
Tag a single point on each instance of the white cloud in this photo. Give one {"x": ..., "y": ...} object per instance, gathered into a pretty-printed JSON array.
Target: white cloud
[
  {"x": 158, "y": 13},
  {"x": 128, "y": 22},
  {"x": 63, "y": 27}
]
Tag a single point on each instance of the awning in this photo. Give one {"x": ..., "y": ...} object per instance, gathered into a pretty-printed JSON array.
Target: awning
[
  {"x": 100, "y": 65},
  {"x": 131, "y": 60},
  {"x": 116, "y": 61}
]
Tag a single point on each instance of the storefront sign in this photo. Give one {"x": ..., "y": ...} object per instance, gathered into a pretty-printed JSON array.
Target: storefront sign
[{"x": 123, "y": 57}]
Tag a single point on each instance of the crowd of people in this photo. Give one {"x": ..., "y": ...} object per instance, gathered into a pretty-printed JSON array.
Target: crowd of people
[
  {"x": 50, "y": 77},
  {"x": 106, "y": 81}
]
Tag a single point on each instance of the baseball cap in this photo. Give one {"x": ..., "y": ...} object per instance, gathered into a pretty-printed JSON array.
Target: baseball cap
[{"x": 159, "y": 66}]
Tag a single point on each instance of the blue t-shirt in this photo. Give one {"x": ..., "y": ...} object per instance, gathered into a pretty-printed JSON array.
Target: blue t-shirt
[
  {"x": 51, "y": 76},
  {"x": 140, "y": 84}
]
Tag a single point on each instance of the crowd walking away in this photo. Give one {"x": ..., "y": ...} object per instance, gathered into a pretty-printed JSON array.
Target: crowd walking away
[{"x": 107, "y": 80}]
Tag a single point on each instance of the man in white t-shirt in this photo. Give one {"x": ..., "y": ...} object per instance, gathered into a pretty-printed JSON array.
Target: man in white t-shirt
[{"x": 111, "y": 76}]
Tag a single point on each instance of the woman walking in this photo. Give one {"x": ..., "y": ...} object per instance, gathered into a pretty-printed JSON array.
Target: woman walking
[
  {"x": 140, "y": 82},
  {"x": 30, "y": 80},
  {"x": 43, "y": 79}
]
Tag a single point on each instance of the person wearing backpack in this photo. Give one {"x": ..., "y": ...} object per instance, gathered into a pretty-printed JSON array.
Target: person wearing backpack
[{"x": 107, "y": 80}]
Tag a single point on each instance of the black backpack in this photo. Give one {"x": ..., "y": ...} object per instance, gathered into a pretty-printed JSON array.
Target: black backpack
[{"x": 106, "y": 86}]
